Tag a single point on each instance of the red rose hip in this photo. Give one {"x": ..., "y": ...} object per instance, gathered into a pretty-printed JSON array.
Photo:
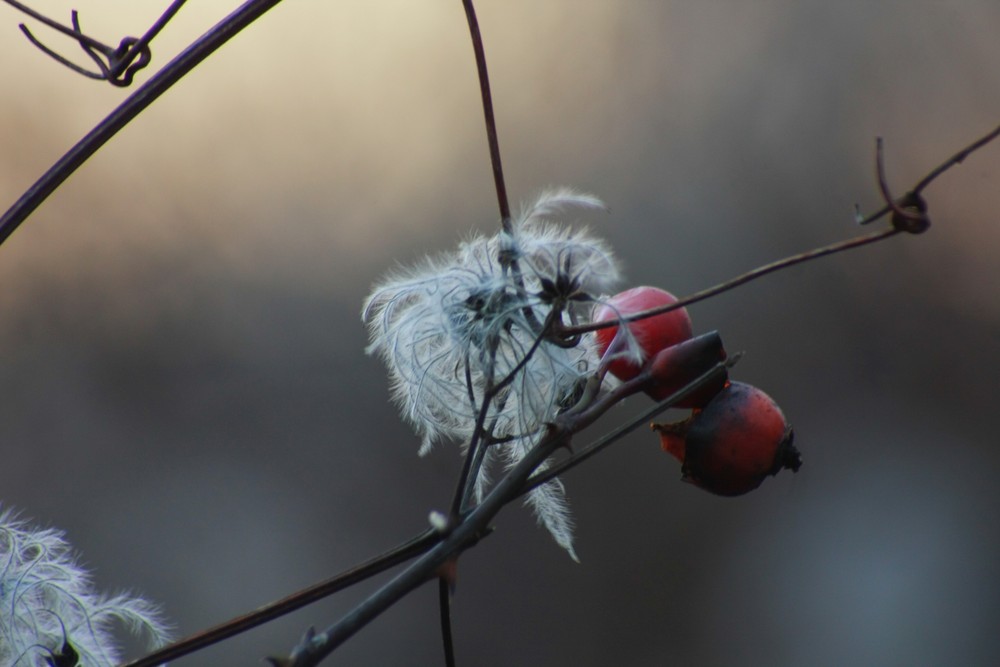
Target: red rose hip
[
  {"x": 730, "y": 447},
  {"x": 652, "y": 334}
]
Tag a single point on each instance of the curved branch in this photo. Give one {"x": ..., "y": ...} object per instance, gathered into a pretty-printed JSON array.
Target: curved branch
[
  {"x": 491, "y": 123},
  {"x": 131, "y": 55},
  {"x": 742, "y": 279},
  {"x": 172, "y": 72},
  {"x": 405, "y": 551}
]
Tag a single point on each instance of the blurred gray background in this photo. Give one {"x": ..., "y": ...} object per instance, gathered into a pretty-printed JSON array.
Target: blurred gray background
[{"x": 184, "y": 388}]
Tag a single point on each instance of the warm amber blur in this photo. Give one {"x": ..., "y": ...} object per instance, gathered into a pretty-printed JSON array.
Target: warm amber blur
[{"x": 183, "y": 378}]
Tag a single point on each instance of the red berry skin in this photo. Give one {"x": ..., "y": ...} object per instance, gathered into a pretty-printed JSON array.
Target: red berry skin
[
  {"x": 652, "y": 334},
  {"x": 678, "y": 365},
  {"x": 740, "y": 438}
]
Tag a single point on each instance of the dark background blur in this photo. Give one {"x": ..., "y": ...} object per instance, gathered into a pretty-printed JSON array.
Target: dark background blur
[{"x": 184, "y": 388}]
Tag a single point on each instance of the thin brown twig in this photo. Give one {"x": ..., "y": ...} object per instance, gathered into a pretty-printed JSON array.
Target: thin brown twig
[
  {"x": 742, "y": 279},
  {"x": 55, "y": 25},
  {"x": 444, "y": 604},
  {"x": 931, "y": 176},
  {"x": 491, "y": 123},
  {"x": 956, "y": 159},
  {"x": 384, "y": 561},
  {"x": 66, "y": 62}
]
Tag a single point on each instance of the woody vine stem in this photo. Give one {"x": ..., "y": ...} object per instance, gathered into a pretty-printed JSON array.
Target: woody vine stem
[{"x": 433, "y": 553}]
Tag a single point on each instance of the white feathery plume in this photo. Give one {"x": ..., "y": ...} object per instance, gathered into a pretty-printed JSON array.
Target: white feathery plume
[
  {"x": 555, "y": 201},
  {"x": 49, "y": 609},
  {"x": 456, "y": 325}
]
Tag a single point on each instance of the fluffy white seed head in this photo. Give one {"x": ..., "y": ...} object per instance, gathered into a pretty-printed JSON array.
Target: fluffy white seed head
[
  {"x": 48, "y": 606},
  {"x": 548, "y": 249},
  {"x": 452, "y": 328},
  {"x": 453, "y": 325}
]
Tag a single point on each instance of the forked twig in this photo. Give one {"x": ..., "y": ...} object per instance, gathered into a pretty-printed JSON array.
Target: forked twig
[
  {"x": 470, "y": 527},
  {"x": 119, "y": 64},
  {"x": 415, "y": 547},
  {"x": 466, "y": 478},
  {"x": 83, "y": 40},
  {"x": 55, "y": 25},
  {"x": 463, "y": 536}
]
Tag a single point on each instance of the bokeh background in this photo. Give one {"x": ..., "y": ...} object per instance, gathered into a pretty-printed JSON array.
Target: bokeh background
[{"x": 184, "y": 388}]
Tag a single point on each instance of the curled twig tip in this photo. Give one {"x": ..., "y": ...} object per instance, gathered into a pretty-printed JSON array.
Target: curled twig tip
[
  {"x": 909, "y": 213},
  {"x": 116, "y": 65}
]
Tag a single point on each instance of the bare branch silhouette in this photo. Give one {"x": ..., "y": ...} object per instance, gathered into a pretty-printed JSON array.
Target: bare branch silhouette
[
  {"x": 171, "y": 73},
  {"x": 116, "y": 65},
  {"x": 384, "y": 561},
  {"x": 444, "y": 603},
  {"x": 491, "y": 124}
]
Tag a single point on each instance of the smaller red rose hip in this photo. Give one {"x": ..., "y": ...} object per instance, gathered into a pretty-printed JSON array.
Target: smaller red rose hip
[
  {"x": 674, "y": 367},
  {"x": 730, "y": 447},
  {"x": 652, "y": 333}
]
